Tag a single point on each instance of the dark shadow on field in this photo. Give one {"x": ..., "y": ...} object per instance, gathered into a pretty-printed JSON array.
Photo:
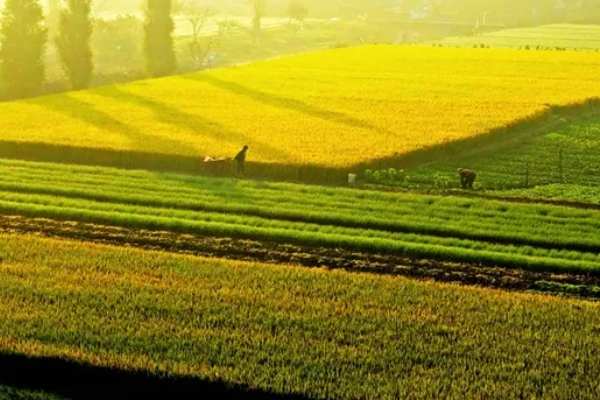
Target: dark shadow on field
[
  {"x": 63, "y": 154},
  {"x": 76, "y": 381},
  {"x": 171, "y": 115},
  {"x": 501, "y": 139},
  {"x": 89, "y": 114},
  {"x": 496, "y": 140},
  {"x": 287, "y": 103}
]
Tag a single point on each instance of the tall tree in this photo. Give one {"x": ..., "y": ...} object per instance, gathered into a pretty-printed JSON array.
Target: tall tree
[
  {"x": 53, "y": 15},
  {"x": 297, "y": 10},
  {"x": 158, "y": 42},
  {"x": 73, "y": 42},
  {"x": 23, "y": 38},
  {"x": 259, "y": 8}
]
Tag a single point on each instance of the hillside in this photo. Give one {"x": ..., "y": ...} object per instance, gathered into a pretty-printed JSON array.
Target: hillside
[{"x": 332, "y": 109}]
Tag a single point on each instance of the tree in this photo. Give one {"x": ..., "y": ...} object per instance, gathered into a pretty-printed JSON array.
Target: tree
[
  {"x": 199, "y": 46},
  {"x": 259, "y": 8},
  {"x": 53, "y": 15},
  {"x": 297, "y": 10},
  {"x": 118, "y": 47},
  {"x": 73, "y": 42},
  {"x": 158, "y": 41},
  {"x": 23, "y": 38}
]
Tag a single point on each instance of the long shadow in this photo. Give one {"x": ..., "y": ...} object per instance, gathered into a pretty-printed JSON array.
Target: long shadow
[
  {"x": 287, "y": 103},
  {"x": 89, "y": 114},
  {"x": 195, "y": 123},
  {"x": 491, "y": 142},
  {"x": 76, "y": 381},
  {"x": 64, "y": 154}
]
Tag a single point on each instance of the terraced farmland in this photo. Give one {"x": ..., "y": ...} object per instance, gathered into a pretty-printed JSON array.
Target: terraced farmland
[
  {"x": 246, "y": 326},
  {"x": 331, "y": 110},
  {"x": 534, "y": 237},
  {"x": 252, "y": 289}
]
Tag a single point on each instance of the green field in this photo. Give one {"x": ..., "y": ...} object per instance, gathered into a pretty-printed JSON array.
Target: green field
[
  {"x": 578, "y": 195},
  {"x": 566, "y": 153},
  {"x": 536, "y": 237},
  {"x": 563, "y": 36},
  {"x": 250, "y": 324}
]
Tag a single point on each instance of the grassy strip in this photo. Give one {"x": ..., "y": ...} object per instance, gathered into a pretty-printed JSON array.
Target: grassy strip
[
  {"x": 303, "y": 234},
  {"x": 11, "y": 393},
  {"x": 538, "y": 226},
  {"x": 276, "y": 328}
]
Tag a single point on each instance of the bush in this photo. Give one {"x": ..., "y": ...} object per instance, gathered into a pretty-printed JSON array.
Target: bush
[
  {"x": 384, "y": 176},
  {"x": 369, "y": 175},
  {"x": 377, "y": 176},
  {"x": 393, "y": 174}
]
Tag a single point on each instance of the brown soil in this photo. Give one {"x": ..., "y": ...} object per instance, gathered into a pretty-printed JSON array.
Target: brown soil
[{"x": 571, "y": 284}]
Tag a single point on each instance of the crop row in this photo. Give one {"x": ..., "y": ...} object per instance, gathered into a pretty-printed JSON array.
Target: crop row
[
  {"x": 567, "y": 156},
  {"x": 474, "y": 230},
  {"x": 275, "y": 328}
]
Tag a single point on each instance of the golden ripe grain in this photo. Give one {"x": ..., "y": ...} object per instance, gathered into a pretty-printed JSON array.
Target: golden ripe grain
[{"x": 334, "y": 109}]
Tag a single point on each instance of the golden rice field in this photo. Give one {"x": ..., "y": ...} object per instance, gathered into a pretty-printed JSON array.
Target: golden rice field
[{"x": 334, "y": 109}]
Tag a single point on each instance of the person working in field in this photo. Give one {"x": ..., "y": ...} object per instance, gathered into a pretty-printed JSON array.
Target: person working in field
[
  {"x": 467, "y": 178},
  {"x": 240, "y": 160}
]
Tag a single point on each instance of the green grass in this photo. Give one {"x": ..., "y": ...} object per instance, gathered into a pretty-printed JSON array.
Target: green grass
[
  {"x": 11, "y": 393},
  {"x": 571, "y": 37},
  {"x": 569, "y": 154},
  {"x": 555, "y": 192},
  {"x": 449, "y": 228},
  {"x": 327, "y": 335}
]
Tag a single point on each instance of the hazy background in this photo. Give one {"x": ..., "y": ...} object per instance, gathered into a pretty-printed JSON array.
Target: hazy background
[{"x": 227, "y": 36}]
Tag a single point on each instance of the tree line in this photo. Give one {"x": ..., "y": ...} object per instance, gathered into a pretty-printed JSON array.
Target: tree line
[{"x": 25, "y": 35}]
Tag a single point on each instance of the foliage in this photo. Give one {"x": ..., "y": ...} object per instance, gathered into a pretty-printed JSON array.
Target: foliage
[
  {"x": 389, "y": 176},
  {"x": 259, "y": 9},
  {"x": 23, "y": 39},
  {"x": 158, "y": 39},
  {"x": 201, "y": 45},
  {"x": 11, "y": 393},
  {"x": 297, "y": 10},
  {"x": 117, "y": 45},
  {"x": 73, "y": 42}
]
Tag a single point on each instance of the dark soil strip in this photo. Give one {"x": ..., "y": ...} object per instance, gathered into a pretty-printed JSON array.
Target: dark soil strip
[
  {"x": 76, "y": 381},
  {"x": 571, "y": 284}
]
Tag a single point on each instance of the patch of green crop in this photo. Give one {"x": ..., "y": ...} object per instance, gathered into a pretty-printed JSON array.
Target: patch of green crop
[
  {"x": 451, "y": 228},
  {"x": 11, "y": 393}
]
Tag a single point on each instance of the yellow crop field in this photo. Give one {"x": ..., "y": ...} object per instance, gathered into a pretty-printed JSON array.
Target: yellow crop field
[{"x": 334, "y": 108}]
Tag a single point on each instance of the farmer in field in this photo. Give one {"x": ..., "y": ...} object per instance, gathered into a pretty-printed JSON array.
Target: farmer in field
[
  {"x": 240, "y": 160},
  {"x": 467, "y": 178}
]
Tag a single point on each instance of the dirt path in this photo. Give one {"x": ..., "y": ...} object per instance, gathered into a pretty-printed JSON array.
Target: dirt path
[{"x": 578, "y": 285}]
